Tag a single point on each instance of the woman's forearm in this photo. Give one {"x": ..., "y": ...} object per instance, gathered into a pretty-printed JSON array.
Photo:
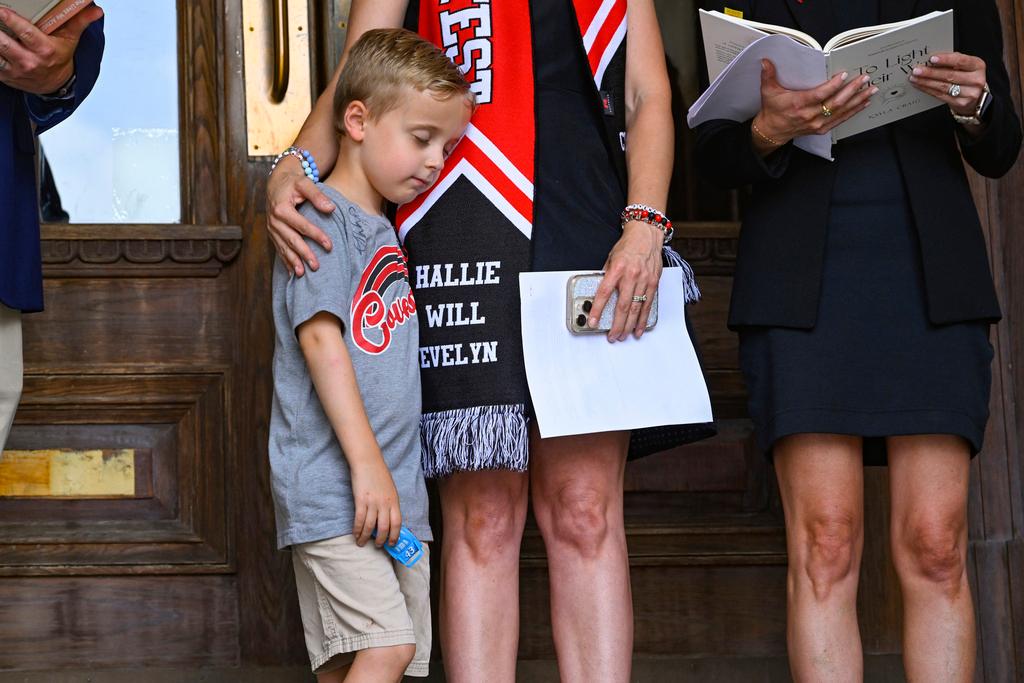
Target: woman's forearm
[
  {"x": 650, "y": 151},
  {"x": 317, "y": 133},
  {"x": 650, "y": 131}
]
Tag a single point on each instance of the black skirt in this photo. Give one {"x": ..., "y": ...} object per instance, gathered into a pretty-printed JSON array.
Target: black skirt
[{"x": 873, "y": 365}]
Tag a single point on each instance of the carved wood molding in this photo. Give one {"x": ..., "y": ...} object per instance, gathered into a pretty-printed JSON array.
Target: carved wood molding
[
  {"x": 710, "y": 248},
  {"x": 105, "y": 251}
]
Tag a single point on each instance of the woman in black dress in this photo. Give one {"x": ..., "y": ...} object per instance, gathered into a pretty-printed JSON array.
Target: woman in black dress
[
  {"x": 863, "y": 300},
  {"x": 583, "y": 180}
]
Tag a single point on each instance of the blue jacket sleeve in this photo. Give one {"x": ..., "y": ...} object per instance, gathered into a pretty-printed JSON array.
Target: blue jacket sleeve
[{"x": 48, "y": 113}]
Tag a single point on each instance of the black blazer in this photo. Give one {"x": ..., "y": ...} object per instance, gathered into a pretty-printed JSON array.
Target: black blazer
[{"x": 782, "y": 241}]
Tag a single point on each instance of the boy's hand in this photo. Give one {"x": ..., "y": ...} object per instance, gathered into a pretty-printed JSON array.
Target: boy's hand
[{"x": 376, "y": 502}]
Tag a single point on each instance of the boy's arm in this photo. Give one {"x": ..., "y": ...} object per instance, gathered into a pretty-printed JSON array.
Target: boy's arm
[
  {"x": 288, "y": 186},
  {"x": 373, "y": 490}
]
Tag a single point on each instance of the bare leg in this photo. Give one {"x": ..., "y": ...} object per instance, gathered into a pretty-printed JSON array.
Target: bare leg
[
  {"x": 821, "y": 480},
  {"x": 336, "y": 676},
  {"x": 484, "y": 514},
  {"x": 577, "y": 499},
  {"x": 380, "y": 664},
  {"x": 929, "y": 478}
]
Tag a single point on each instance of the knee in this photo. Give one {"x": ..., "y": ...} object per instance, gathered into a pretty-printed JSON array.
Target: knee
[
  {"x": 932, "y": 551},
  {"x": 387, "y": 663},
  {"x": 486, "y": 525},
  {"x": 576, "y": 516},
  {"x": 830, "y": 552},
  {"x": 403, "y": 657}
]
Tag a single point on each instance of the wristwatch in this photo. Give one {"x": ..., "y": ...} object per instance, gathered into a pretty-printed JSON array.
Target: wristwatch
[
  {"x": 976, "y": 118},
  {"x": 65, "y": 92}
]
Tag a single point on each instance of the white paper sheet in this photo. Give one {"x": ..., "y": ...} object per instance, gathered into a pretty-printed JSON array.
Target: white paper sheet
[{"x": 581, "y": 384}]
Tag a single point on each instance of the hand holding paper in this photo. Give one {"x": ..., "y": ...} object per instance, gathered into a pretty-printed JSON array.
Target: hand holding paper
[{"x": 583, "y": 384}]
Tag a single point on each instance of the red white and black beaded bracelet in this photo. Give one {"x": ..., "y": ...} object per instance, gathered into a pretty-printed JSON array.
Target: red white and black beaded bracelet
[{"x": 649, "y": 215}]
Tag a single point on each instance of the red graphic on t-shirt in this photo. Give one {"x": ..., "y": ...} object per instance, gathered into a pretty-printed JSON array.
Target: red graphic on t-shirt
[{"x": 373, "y": 320}]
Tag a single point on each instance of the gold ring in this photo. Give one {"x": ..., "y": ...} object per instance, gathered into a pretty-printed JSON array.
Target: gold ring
[
  {"x": 639, "y": 298},
  {"x": 825, "y": 111}
]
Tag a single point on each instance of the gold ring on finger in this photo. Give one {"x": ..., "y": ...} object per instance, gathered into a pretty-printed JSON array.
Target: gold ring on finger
[
  {"x": 825, "y": 111},
  {"x": 639, "y": 298}
]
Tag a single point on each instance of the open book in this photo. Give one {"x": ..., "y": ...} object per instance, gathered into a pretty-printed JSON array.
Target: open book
[
  {"x": 888, "y": 53},
  {"x": 48, "y": 15}
]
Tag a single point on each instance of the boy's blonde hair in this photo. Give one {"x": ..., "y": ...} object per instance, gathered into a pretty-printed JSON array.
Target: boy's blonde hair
[{"x": 384, "y": 60}]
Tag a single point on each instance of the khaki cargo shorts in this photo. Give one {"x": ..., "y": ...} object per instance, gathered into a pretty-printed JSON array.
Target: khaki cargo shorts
[{"x": 354, "y": 598}]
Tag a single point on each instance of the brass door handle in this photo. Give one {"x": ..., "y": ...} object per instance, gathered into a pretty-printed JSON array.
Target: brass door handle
[
  {"x": 279, "y": 83},
  {"x": 278, "y": 70}
]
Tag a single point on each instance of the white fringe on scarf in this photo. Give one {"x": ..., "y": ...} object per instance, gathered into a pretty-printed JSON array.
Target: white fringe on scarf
[
  {"x": 498, "y": 437},
  {"x": 478, "y": 438},
  {"x": 671, "y": 258}
]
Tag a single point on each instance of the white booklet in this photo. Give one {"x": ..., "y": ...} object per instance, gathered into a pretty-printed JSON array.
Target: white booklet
[
  {"x": 887, "y": 53},
  {"x": 581, "y": 384}
]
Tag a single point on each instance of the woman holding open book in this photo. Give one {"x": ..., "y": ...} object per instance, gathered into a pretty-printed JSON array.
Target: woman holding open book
[{"x": 863, "y": 300}]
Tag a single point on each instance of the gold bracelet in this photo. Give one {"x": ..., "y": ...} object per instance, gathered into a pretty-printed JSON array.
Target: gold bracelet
[{"x": 773, "y": 143}]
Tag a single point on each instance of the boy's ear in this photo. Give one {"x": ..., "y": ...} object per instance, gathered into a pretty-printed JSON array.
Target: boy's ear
[{"x": 355, "y": 119}]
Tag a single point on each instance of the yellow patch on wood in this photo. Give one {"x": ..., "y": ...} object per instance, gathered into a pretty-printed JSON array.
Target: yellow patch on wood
[
  {"x": 66, "y": 473},
  {"x": 734, "y": 12}
]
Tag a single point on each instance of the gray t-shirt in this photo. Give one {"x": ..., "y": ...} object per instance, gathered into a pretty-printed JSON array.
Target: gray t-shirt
[{"x": 364, "y": 282}]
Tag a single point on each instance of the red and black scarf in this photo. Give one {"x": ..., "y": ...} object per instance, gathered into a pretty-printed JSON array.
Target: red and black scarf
[
  {"x": 468, "y": 237},
  {"x": 487, "y": 38}
]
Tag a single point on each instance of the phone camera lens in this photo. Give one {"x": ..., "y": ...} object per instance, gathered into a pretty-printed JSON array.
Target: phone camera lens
[
  {"x": 581, "y": 320},
  {"x": 587, "y": 305}
]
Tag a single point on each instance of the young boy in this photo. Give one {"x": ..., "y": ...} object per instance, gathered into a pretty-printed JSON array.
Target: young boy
[{"x": 344, "y": 432}]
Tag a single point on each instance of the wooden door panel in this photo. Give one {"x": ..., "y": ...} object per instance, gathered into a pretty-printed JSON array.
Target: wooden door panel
[{"x": 77, "y": 622}]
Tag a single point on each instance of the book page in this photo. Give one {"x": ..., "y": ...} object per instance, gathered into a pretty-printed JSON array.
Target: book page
[
  {"x": 725, "y": 37},
  {"x": 889, "y": 59},
  {"x": 862, "y": 32},
  {"x": 736, "y": 93},
  {"x": 724, "y": 41},
  {"x": 33, "y": 10}
]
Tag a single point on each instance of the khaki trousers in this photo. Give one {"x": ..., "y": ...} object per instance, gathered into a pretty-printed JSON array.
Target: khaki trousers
[{"x": 11, "y": 368}]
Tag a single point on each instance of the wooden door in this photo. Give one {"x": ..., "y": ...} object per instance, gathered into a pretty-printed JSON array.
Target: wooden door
[
  {"x": 152, "y": 363},
  {"x": 125, "y": 552}
]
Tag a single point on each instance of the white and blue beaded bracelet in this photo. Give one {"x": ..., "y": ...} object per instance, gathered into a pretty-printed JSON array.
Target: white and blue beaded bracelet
[{"x": 305, "y": 157}]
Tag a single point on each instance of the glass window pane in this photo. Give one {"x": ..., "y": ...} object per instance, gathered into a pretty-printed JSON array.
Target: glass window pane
[{"x": 116, "y": 159}]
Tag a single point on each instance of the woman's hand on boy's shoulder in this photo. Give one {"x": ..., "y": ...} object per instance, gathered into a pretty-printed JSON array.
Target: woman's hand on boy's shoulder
[
  {"x": 376, "y": 501},
  {"x": 287, "y": 188}
]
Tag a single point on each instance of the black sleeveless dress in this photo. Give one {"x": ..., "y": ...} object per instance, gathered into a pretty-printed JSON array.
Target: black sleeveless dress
[
  {"x": 475, "y": 416},
  {"x": 873, "y": 366},
  {"x": 578, "y": 194},
  {"x": 580, "y": 176}
]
